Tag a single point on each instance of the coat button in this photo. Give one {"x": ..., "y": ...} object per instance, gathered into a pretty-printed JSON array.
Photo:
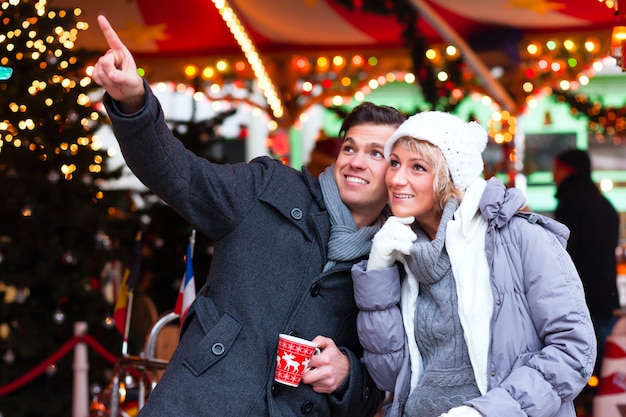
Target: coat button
[
  {"x": 315, "y": 290},
  {"x": 275, "y": 391},
  {"x": 217, "y": 349},
  {"x": 296, "y": 213},
  {"x": 307, "y": 407}
]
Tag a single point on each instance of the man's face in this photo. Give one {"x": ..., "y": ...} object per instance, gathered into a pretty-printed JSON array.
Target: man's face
[{"x": 360, "y": 171}]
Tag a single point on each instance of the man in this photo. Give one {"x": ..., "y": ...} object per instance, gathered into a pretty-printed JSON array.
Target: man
[
  {"x": 284, "y": 245},
  {"x": 594, "y": 234}
]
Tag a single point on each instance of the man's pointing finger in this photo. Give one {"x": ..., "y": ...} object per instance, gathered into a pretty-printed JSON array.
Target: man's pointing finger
[{"x": 109, "y": 34}]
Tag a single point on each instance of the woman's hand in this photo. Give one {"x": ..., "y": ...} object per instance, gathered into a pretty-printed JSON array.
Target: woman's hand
[{"x": 394, "y": 238}]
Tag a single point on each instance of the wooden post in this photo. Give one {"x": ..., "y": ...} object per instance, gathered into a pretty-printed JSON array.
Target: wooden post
[{"x": 80, "y": 404}]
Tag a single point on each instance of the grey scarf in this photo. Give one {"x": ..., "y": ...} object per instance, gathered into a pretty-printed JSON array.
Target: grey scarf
[
  {"x": 346, "y": 243},
  {"x": 429, "y": 260}
]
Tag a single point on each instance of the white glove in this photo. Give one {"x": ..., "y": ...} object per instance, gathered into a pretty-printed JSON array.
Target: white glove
[
  {"x": 392, "y": 240},
  {"x": 462, "y": 411}
]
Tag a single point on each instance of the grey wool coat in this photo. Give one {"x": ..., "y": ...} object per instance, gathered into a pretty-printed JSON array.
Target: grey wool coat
[{"x": 270, "y": 229}]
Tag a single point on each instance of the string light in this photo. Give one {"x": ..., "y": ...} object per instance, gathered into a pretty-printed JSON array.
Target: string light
[
  {"x": 44, "y": 38},
  {"x": 502, "y": 127},
  {"x": 245, "y": 43}
]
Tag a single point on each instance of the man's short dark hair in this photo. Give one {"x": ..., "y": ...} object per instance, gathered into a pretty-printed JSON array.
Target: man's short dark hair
[{"x": 368, "y": 112}]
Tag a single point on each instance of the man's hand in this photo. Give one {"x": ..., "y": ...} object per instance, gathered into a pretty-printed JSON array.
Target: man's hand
[
  {"x": 116, "y": 71},
  {"x": 328, "y": 369}
]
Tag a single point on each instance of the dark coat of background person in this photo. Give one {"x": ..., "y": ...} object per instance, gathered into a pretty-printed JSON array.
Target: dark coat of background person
[
  {"x": 594, "y": 234},
  {"x": 594, "y": 230}
]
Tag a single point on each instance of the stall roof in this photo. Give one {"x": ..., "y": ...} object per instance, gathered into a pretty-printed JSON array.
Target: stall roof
[
  {"x": 195, "y": 28},
  {"x": 165, "y": 35}
]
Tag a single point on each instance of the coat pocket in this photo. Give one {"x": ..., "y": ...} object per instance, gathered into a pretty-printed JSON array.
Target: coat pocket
[{"x": 215, "y": 344}]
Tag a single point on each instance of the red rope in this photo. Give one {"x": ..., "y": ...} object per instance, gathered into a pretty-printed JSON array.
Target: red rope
[
  {"x": 100, "y": 350},
  {"x": 55, "y": 357}
]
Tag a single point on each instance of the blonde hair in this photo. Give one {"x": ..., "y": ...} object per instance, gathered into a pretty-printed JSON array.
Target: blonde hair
[{"x": 443, "y": 186}]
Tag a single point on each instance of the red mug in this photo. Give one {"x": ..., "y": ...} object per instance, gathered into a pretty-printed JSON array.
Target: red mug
[{"x": 292, "y": 359}]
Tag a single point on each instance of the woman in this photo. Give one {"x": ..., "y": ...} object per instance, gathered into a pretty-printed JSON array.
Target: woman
[{"x": 489, "y": 316}]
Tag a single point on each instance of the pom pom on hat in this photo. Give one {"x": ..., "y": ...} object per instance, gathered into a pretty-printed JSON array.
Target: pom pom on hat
[{"x": 460, "y": 142}]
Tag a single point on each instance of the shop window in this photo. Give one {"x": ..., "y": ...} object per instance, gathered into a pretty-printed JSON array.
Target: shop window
[{"x": 541, "y": 148}]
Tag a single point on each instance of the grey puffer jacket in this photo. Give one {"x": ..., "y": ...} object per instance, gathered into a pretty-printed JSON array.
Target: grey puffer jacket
[
  {"x": 541, "y": 346},
  {"x": 271, "y": 228}
]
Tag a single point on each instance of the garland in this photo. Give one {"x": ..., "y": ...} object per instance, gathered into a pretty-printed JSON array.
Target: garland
[
  {"x": 436, "y": 93},
  {"x": 602, "y": 120}
]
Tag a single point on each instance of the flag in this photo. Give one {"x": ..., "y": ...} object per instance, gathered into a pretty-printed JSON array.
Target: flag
[
  {"x": 119, "y": 312},
  {"x": 187, "y": 291},
  {"x": 125, "y": 294}
]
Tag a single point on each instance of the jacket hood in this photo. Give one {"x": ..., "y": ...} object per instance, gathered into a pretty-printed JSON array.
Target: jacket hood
[{"x": 499, "y": 204}]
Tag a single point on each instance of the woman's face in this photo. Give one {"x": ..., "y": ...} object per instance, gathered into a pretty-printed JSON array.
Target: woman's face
[{"x": 409, "y": 182}]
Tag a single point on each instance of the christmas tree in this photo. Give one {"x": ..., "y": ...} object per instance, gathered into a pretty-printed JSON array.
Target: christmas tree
[
  {"x": 61, "y": 228},
  {"x": 57, "y": 226}
]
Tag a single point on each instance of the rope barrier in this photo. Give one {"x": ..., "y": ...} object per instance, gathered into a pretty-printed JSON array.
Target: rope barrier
[
  {"x": 100, "y": 350},
  {"x": 55, "y": 357}
]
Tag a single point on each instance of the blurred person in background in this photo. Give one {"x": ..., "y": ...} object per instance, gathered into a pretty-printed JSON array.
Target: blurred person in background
[{"x": 594, "y": 233}]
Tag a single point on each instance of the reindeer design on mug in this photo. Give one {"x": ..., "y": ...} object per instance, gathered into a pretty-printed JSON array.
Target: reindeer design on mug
[
  {"x": 290, "y": 363},
  {"x": 292, "y": 359}
]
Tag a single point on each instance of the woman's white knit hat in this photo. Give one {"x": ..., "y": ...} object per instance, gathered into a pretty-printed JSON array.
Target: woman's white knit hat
[{"x": 460, "y": 142}]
